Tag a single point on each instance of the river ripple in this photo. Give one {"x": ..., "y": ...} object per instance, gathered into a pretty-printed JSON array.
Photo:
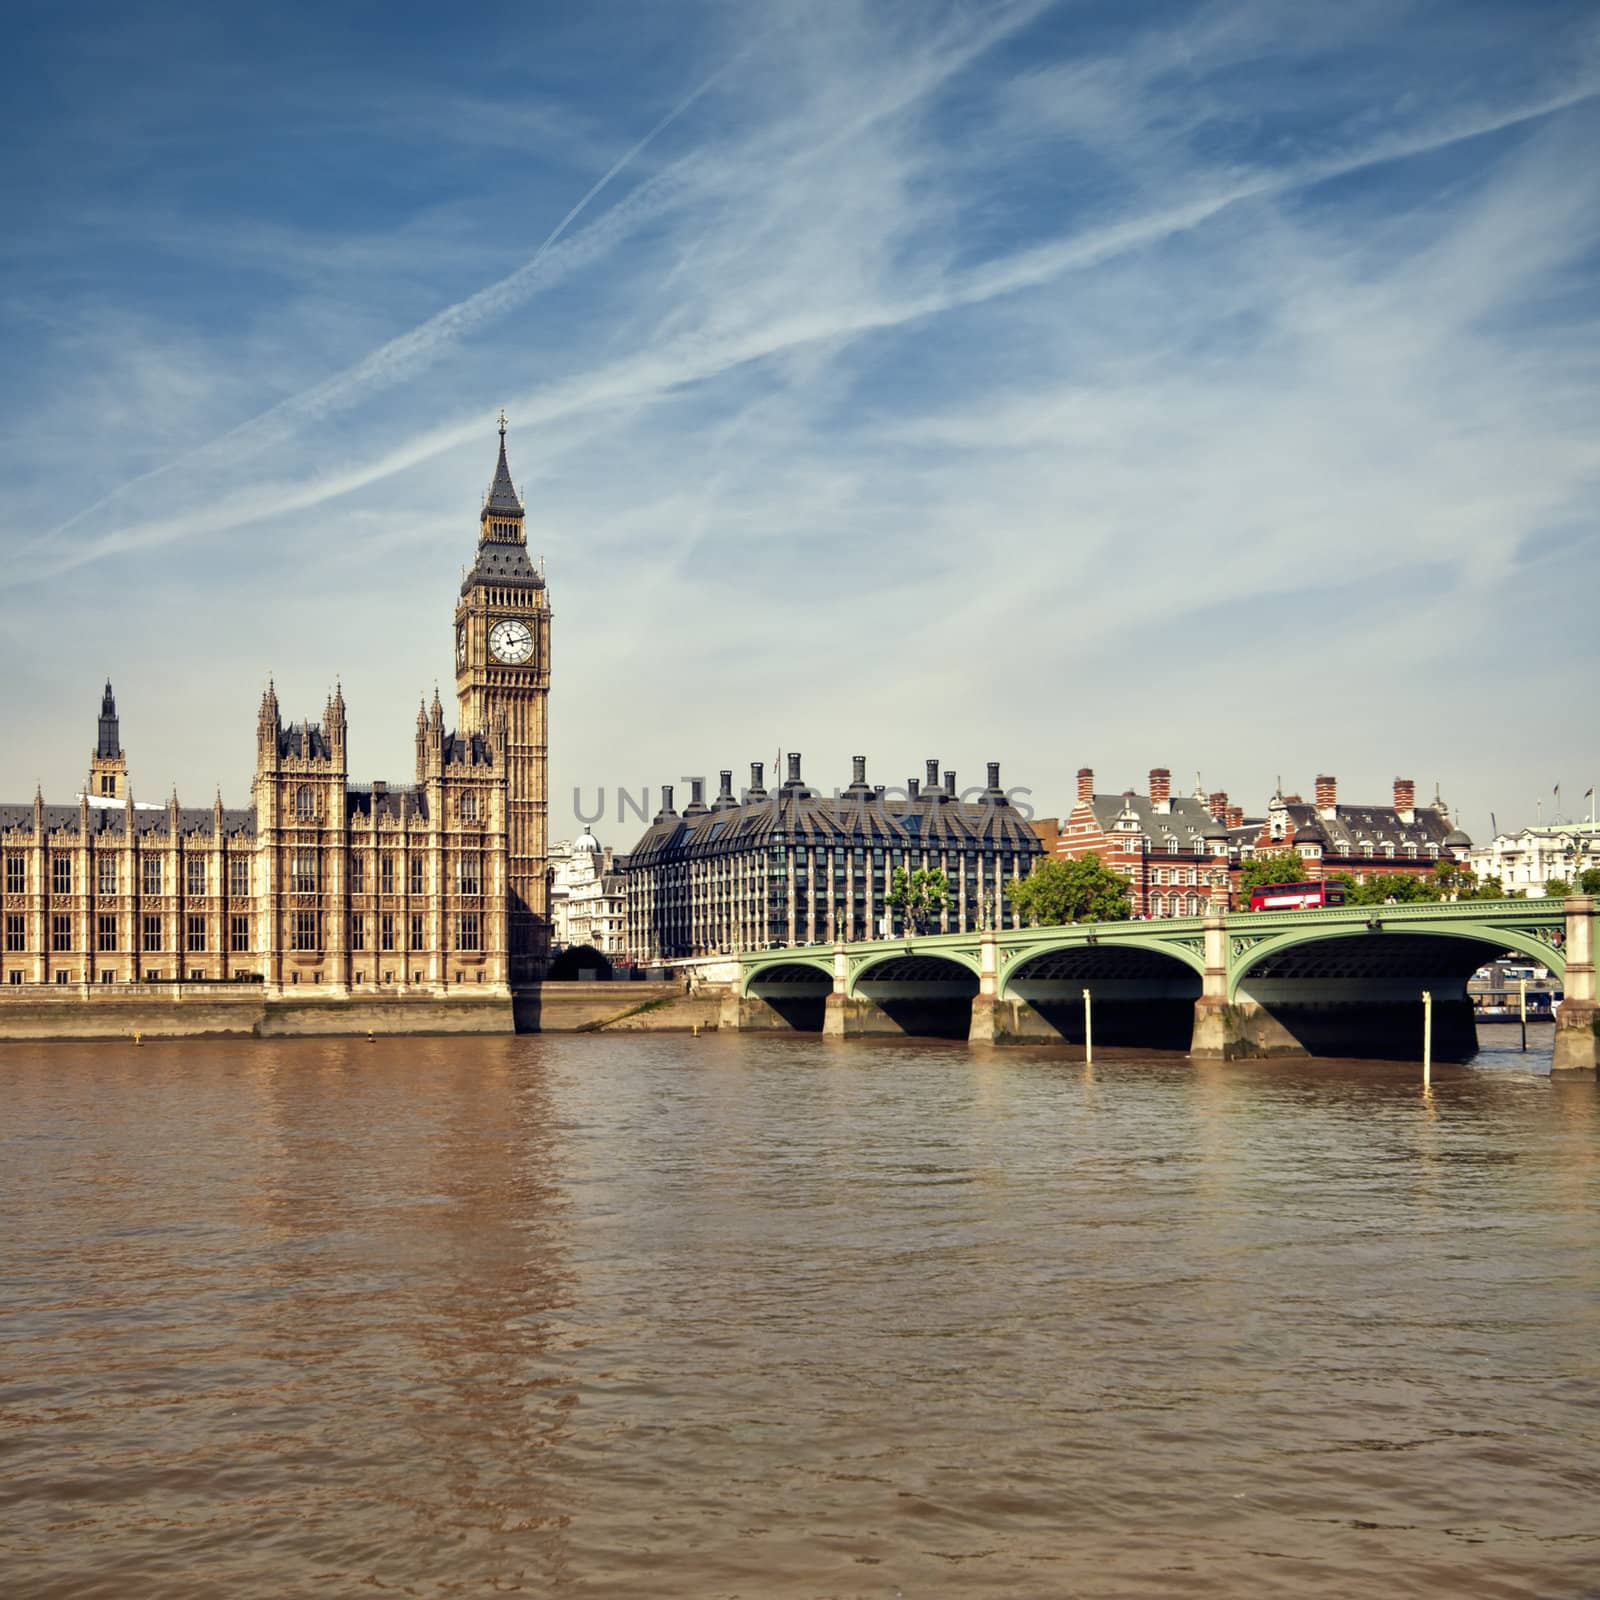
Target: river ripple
[{"x": 732, "y": 1316}]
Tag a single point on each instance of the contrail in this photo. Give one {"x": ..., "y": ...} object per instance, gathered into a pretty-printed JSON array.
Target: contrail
[{"x": 391, "y": 361}]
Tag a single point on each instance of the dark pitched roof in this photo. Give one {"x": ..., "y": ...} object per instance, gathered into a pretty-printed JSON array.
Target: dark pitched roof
[
  {"x": 193, "y": 821},
  {"x": 1365, "y": 830},
  {"x": 506, "y": 564},
  {"x": 503, "y": 501},
  {"x": 501, "y": 560},
  {"x": 468, "y": 749},
  {"x": 398, "y": 803},
  {"x": 1186, "y": 819},
  {"x": 857, "y": 816},
  {"x": 305, "y": 738}
]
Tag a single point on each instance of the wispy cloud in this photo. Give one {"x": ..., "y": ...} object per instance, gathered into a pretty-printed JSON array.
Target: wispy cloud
[{"x": 905, "y": 330}]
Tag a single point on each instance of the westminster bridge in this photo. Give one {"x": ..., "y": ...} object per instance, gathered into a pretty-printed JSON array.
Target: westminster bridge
[{"x": 1334, "y": 981}]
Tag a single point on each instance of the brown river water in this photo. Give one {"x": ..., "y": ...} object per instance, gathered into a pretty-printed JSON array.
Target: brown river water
[{"x": 734, "y": 1316}]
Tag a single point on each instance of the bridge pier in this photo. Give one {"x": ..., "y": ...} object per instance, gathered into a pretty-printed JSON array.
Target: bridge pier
[
  {"x": 1577, "y": 1048},
  {"x": 1224, "y": 1032},
  {"x": 753, "y": 1013}
]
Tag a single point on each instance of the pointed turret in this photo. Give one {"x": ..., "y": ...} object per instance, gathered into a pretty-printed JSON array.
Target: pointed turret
[
  {"x": 110, "y": 746},
  {"x": 502, "y": 499},
  {"x": 108, "y": 767},
  {"x": 502, "y": 545}
]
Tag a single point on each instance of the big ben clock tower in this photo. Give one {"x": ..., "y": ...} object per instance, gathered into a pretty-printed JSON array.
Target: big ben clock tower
[{"x": 503, "y": 671}]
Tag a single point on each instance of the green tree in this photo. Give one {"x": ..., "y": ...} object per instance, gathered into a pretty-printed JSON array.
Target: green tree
[
  {"x": 579, "y": 958},
  {"x": 1397, "y": 888},
  {"x": 1391, "y": 888},
  {"x": 1557, "y": 888},
  {"x": 1276, "y": 866},
  {"x": 1589, "y": 882},
  {"x": 1059, "y": 891},
  {"x": 919, "y": 895}
]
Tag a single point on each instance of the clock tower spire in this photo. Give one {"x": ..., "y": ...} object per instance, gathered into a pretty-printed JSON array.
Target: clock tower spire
[{"x": 503, "y": 678}]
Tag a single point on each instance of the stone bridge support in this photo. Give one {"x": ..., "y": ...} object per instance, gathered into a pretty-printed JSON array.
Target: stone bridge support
[
  {"x": 1229, "y": 1031},
  {"x": 1577, "y": 1050},
  {"x": 988, "y": 1025}
]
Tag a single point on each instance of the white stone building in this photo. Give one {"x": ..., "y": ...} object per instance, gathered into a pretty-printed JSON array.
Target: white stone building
[
  {"x": 1527, "y": 860},
  {"x": 587, "y": 896}
]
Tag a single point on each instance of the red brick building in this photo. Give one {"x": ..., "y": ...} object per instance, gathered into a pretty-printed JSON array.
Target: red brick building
[
  {"x": 1173, "y": 850},
  {"x": 1182, "y": 854},
  {"x": 1364, "y": 840}
]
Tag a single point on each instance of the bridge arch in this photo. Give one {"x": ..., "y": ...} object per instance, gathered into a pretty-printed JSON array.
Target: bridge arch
[
  {"x": 788, "y": 971},
  {"x": 1116, "y": 959},
  {"x": 1411, "y": 950},
  {"x": 1143, "y": 990},
  {"x": 920, "y": 966},
  {"x": 926, "y": 992},
  {"x": 1354, "y": 988},
  {"x": 794, "y": 989}
]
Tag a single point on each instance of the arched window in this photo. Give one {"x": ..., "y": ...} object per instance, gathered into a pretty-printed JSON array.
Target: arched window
[
  {"x": 304, "y": 804},
  {"x": 1192, "y": 906},
  {"x": 469, "y": 808},
  {"x": 1158, "y": 907}
]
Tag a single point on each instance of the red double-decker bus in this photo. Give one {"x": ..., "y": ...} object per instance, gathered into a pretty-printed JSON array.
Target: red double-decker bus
[{"x": 1295, "y": 896}]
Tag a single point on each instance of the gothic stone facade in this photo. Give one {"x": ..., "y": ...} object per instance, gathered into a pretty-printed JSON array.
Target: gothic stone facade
[
  {"x": 799, "y": 867},
  {"x": 425, "y": 887}
]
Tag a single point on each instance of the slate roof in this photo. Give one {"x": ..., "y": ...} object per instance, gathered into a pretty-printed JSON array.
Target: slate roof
[
  {"x": 506, "y": 564},
  {"x": 192, "y": 820},
  {"x": 1365, "y": 830},
  {"x": 503, "y": 501},
  {"x": 798, "y": 814},
  {"x": 503, "y": 561},
  {"x": 471, "y": 750},
  {"x": 304, "y": 738},
  {"x": 1187, "y": 820},
  {"x": 397, "y": 803}
]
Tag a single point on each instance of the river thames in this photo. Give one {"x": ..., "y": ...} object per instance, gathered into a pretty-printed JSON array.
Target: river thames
[{"x": 735, "y": 1316}]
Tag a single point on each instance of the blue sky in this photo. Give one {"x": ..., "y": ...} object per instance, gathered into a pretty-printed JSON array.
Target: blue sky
[{"x": 1211, "y": 386}]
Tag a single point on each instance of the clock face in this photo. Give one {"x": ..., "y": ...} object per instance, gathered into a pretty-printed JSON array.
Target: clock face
[
  {"x": 511, "y": 642},
  {"x": 461, "y": 644}
]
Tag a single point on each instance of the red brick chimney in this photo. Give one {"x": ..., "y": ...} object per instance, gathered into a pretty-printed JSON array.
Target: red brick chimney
[
  {"x": 1217, "y": 804},
  {"x": 1327, "y": 794},
  {"x": 1085, "y": 785},
  {"x": 1405, "y": 799},
  {"x": 1160, "y": 787},
  {"x": 1233, "y": 817}
]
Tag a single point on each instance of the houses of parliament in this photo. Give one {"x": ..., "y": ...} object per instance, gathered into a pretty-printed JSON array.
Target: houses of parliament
[{"x": 425, "y": 887}]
